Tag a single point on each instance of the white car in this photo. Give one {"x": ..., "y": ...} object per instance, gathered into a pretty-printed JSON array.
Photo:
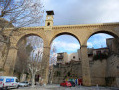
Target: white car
[
  {"x": 8, "y": 82},
  {"x": 23, "y": 84}
]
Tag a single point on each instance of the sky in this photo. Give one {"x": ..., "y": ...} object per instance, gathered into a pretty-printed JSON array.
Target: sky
[
  {"x": 69, "y": 44},
  {"x": 71, "y": 12},
  {"x": 83, "y": 11},
  {"x": 66, "y": 43}
]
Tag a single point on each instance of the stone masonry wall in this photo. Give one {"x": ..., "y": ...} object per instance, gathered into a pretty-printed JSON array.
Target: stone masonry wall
[
  {"x": 74, "y": 69},
  {"x": 112, "y": 70},
  {"x": 98, "y": 72}
]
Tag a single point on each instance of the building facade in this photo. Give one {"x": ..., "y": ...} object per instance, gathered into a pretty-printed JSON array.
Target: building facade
[{"x": 62, "y": 58}]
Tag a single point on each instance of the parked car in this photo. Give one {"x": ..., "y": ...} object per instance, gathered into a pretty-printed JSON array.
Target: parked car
[
  {"x": 23, "y": 84},
  {"x": 8, "y": 82},
  {"x": 66, "y": 83},
  {"x": 72, "y": 83}
]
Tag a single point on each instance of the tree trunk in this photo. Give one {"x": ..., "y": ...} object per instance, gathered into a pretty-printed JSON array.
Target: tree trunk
[{"x": 33, "y": 80}]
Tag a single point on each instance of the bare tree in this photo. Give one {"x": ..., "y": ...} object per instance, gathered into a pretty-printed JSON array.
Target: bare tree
[
  {"x": 19, "y": 13},
  {"x": 30, "y": 56},
  {"x": 34, "y": 64},
  {"x": 53, "y": 59},
  {"x": 35, "y": 59},
  {"x": 53, "y": 55}
]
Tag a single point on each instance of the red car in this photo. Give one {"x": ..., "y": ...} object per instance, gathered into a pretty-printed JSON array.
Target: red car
[{"x": 66, "y": 83}]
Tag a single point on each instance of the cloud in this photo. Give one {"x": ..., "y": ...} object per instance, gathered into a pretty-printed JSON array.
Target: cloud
[
  {"x": 98, "y": 40},
  {"x": 69, "y": 12},
  {"x": 83, "y": 11},
  {"x": 66, "y": 47},
  {"x": 89, "y": 44},
  {"x": 66, "y": 43}
]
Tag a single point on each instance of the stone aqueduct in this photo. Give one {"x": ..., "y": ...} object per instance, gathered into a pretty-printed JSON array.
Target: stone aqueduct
[{"x": 49, "y": 32}]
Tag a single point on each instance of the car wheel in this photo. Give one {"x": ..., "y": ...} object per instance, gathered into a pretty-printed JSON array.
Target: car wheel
[
  {"x": 17, "y": 86},
  {"x": 6, "y": 88}
]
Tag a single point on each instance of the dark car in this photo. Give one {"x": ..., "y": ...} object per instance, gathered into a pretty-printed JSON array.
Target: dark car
[{"x": 72, "y": 83}]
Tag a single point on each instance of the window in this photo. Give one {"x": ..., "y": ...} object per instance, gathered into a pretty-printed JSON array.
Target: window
[
  {"x": 1, "y": 79},
  {"x": 48, "y": 24},
  {"x": 17, "y": 80},
  {"x": 73, "y": 57},
  {"x": 59, "y": 60}
]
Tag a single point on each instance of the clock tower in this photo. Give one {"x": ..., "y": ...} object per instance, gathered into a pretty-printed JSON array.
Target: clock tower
[{"x": 49, "y": 19}]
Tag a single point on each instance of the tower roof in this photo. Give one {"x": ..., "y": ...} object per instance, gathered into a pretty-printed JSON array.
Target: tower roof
[{"x": 50, "y": 12}]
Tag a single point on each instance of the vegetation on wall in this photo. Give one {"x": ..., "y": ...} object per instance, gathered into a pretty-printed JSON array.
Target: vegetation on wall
[
  {"x": 109, "y": 80},
  {"x": 1, "y": 69},
  {"x": 57, "y": 73}
]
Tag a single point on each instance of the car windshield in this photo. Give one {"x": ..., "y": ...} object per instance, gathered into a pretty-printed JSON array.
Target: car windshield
[
  {"x": 24, "y": 82},
  {"x": 17, "y": 80},
  {"x": 1, "y": 79},
  {"x": 71, "y": 82}
]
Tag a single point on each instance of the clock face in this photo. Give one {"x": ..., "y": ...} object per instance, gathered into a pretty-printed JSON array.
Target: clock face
[{"x": 48, "y": 17}]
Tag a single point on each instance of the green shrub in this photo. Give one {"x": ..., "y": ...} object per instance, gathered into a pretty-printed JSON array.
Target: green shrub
[
  {"x": 109, "y": 80},
  {"x": 1, "y": 69}
]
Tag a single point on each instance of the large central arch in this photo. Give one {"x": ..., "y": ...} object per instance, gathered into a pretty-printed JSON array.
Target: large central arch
[{"x": 64, "y": 33}]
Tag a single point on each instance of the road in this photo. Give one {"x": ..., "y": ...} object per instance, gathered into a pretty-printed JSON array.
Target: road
[{"x": 57, "y": 87}]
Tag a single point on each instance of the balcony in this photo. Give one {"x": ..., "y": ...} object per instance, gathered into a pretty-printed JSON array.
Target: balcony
[{"x": 60, "y": 57}]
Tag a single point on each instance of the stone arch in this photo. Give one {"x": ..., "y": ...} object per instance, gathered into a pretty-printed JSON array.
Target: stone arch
[
  {"x": 19, "y": 40},
  {"x": 30, "y": 34},
  {"x": 102, "y": 31},
  {"x": 62, "y": 33}
]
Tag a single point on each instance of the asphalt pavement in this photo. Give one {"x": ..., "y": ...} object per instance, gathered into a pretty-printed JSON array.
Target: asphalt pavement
[{"x": 58, "y": 87}]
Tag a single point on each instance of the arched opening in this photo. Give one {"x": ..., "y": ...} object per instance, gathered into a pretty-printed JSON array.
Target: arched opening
[
  {"x": 64, "y": 58},
  {"x": 29, "y": 57},
  {"x": 48, "y": 24},
  {"x": 103, "y": 50},
  {"x": 105, "y": 32},
  {"x": 65, "y": 33}
]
